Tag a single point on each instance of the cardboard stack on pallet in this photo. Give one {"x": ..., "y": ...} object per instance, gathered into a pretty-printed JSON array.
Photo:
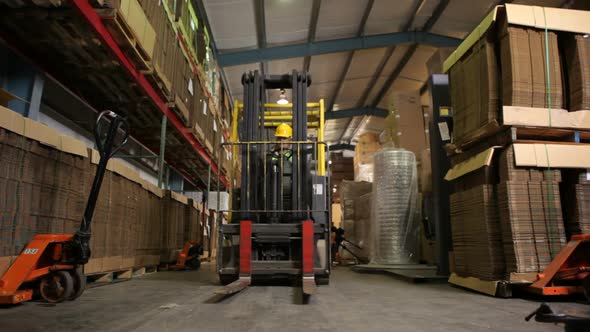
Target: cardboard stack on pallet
[
  {"x": 509, "y": 71},
  {"x": 47, "y": 178}
]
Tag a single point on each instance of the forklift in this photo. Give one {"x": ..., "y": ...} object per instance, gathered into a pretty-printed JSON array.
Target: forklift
[
  {"x": 53, "y": 264},
  {"x": 278, "y": 219}
]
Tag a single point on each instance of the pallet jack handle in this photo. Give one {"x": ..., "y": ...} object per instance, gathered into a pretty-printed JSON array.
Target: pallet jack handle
[{"x": 107, "y": 148}]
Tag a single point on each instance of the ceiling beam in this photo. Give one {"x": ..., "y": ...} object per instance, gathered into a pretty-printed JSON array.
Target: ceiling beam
[
  {"x": 379, "y": 70},
  {"x": 352, "y": 112},
  {"x": 313, "y": 25},
  {"x": 440, "y": 8},
  {"x": 359, "y": 34},
  {"x": 335, "y": 46}
]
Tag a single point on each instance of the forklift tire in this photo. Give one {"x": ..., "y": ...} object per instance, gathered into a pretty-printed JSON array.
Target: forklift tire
[
  {"x": 79, "y": 283},
  {"x": 227, "y": 279},
  {"x": 322, "y": 281},
  {"x": 56, "y": 286},
  {"x": 193, "y": 264}
]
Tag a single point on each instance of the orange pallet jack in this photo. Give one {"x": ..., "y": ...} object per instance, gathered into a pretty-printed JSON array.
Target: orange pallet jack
[
  {"x": 54, "y": 263},
  {"x": 189, "y": 258},
  {"x": 569, "y": 272}
]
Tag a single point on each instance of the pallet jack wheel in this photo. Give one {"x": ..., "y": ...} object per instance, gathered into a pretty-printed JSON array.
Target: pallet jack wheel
[
  {"x": 56, "y": 286},
  {"x": 79, "y": 283},
  {"x": 193, "y": 264}
]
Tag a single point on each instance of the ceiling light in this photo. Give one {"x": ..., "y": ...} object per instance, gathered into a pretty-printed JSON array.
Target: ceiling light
[
  {"x": 282, "y": 98},
  {"x": 586, "y": 36}
]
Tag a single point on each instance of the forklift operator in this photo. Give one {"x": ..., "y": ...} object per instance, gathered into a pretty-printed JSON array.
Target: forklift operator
[{"x": 283, "y": 134}]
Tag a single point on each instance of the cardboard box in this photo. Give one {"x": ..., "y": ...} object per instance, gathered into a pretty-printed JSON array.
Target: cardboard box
[{"x": 136, "y": 19}]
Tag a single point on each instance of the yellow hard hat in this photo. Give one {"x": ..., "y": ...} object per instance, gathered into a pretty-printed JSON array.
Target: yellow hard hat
[{"x": 284, "y": 130}]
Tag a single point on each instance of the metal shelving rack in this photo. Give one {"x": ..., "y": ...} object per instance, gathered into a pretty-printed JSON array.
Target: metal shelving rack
[{"x": 180, "y": 148}]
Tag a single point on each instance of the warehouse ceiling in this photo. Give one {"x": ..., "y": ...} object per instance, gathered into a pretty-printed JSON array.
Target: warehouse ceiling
[{"x": 349, "y": 79}]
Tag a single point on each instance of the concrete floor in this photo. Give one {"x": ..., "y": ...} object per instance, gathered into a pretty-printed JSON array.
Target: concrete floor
[{"x": 177, "y": 301}]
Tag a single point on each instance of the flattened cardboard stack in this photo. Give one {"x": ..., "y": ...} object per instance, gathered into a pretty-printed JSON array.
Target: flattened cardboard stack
[
  {"x": 530, "y": 215},
  {"x": 173, "y": 226},
  {"x": 577, "y": 52},
  {"x": 477, "y": 237},
  {"x": 474, "y": 88},
  {"x": 523, "y": 62},
  {"x": 509, "y": 71},
  {"x": 576, "y": 201},
  {"x": 46, "y": 179}
]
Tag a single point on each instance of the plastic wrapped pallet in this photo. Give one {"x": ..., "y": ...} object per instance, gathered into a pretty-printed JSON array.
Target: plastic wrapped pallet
[{"x": 394, "y": 218}]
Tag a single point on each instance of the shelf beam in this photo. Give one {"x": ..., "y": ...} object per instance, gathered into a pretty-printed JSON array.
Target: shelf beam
[{"x": 87, "y": 12}]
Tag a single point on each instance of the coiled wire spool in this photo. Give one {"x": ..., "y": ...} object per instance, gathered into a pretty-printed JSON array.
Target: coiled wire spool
[{"x": 393, "y": 218}]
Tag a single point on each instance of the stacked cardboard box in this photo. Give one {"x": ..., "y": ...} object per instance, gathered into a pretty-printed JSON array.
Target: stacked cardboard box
[
  {"x": 523, "y": 61},
  {"x": 474, "y": 89},
  {"x": 165, "y": 48},
  {"x": 510, "y": 51},
  {"x": 530, "y": 214},
  {"x": 575, "y": 192},
  {"x": 477, "y": 237},
  {"x": 505, "y": 209},
  {"x": 135, "y": 18},
  {"x": 366, "y": 146},
  {"x": 173, "y": 226},
  {"x": 47, "y": 178},
  {"x": 577, "y": 52}
]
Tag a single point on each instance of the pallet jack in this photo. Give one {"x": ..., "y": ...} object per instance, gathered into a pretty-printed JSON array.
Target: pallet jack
[
  {"x": 567, "y": 274},
  {"x": 279, "y": 220},
  {"x": 53, "y": 264},
  {"x": 189, "y": 258}
]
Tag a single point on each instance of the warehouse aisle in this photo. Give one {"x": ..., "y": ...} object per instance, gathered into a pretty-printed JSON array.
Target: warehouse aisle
[{"x": 175, "y": 301}]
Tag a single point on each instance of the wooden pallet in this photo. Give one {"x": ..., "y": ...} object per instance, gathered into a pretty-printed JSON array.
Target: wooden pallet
[
  {"x": 107, "y": 277},
  {"x": 496, "y": 288},
  {"x": 125, "y": 38},
  {"x": 503, "y": 136}
]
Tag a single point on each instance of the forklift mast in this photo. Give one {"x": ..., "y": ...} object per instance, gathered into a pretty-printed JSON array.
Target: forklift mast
[{"x": 279, "y": 216}]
